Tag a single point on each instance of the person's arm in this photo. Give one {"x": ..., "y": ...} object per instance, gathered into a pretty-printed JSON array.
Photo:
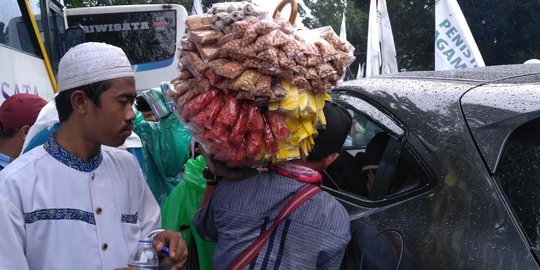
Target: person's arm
[
  {"x": 12, "y": 232},
  {"x": 150, "y": 219}
]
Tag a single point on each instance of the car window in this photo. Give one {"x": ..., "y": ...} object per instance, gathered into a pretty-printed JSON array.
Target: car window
[
  {"x": 518, "y": 175},
  {"x": 356, "y": 172}
]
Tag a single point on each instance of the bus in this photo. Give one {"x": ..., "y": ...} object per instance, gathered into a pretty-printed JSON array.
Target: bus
[
  {"x": 31, "y": 45},
  {"x": 148, "y": 34}
]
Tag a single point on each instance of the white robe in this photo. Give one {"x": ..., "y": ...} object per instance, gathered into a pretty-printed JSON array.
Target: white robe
[{"x": 49, "y": 217}]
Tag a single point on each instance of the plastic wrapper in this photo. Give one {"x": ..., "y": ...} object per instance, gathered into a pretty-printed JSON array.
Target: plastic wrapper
[
  {"x": 205, "y": 37},
  {"x": 227, "y": 68},
  {"x": 255, "y": 119},
  {"x": 194, "y": 64},
  {"x": 277, "y": 125},
  {"x": 206, "y": 117},
  {"x": 268, "y": 137},
  {"x": 208, "y": 53},
  {"x": 230, "y": 111},
  {"x": 238, "y": 130},
  {"x": 200, "y": 102},
  {"x": 186, "y": 44},
  {"x": 199, "y": 22},
  {"x": 254, "y": 142},
  {"x": 212, "y": 78}
]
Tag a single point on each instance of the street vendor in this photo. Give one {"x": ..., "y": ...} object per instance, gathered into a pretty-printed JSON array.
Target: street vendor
[
  {"x": 314, "y": 236},
  {"x": 254, "y": 91}
]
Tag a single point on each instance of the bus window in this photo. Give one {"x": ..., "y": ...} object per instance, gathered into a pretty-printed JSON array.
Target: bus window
[
  {"x": 146, "y": 37},
  {"x": 57, "y": 30},
  {"x": 13, "y": 29}
]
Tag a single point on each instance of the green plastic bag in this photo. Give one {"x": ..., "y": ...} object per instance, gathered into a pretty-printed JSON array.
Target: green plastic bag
[
  {"x": 165, "y": 149},
  {"x": 178, "y": 210}
]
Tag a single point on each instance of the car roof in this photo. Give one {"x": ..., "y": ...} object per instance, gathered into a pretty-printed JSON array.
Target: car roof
[
  {"x": 494, "y": 100},
  {"x": 480, "y": 75}
]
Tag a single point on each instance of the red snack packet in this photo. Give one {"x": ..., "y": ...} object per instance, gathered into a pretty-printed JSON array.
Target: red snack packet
[
  {"x": 278, "y": 125},
  {"x": 197, "y": 104},
  {"x": 207, "y": 116},
  {"x": 239, "y": 128},
  {"x": 253, "y": 144},
  {"x": 230, "y": 111},
  {"x": 271, "y": 144},
  {"x": 255, "y": 119},
  {"x": 218, "y": 134}
]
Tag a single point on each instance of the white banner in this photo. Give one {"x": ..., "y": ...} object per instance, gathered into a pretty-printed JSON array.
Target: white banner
[
  {"x": 388, "y": 48},
  {"x": 455, "y": 47},
  {"x": 342, "y": 30},
  {"x": 197, "y": 8},
  {"x": 381, "y": 50},
  {"x": 373, "y": 53}
]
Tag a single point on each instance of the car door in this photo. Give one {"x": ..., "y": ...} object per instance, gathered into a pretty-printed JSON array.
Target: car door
[
  {"x": 504, "y": 119},
  {"x": 376, "y": 168}
]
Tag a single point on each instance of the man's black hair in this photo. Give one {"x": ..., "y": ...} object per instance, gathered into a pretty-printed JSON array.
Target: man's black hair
[
  {"x": 331, "y": 139},
  {"x": 93, "y": 91},
  {"x": 141, "y": 104},
  {"x": 8, "y": 133}
]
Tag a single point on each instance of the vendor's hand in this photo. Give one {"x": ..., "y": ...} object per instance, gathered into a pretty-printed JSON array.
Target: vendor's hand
[
  {"x": 177, "y": 247},
  {"x": 219, "y": 168}
]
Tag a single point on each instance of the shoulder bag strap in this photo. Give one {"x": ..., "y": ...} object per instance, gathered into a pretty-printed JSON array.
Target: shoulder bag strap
[{"x": 245, "y": 258}]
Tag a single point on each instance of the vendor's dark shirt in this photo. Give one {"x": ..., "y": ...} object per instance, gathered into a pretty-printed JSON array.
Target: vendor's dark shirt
[{"x": 312, "y": 237}]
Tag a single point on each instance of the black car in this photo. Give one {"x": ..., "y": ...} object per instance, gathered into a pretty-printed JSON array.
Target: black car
[{"x": 442, "y": 169}]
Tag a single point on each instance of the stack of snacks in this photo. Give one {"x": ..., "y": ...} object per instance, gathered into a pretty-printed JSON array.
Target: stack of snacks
[{"x": 250, "y": 88}]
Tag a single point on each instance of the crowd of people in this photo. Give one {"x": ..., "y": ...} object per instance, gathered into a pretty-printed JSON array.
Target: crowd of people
[{"x": 94, "y": 173}]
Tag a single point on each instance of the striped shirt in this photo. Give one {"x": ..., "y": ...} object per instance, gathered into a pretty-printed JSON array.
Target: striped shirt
[{"x": 312, "y": 237}]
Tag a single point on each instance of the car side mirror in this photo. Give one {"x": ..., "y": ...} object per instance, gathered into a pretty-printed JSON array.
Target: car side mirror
[{"x": 74, "y": 36}]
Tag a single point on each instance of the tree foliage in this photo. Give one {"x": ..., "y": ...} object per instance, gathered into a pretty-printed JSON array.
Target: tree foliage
[{"x": 506, "y": 31}]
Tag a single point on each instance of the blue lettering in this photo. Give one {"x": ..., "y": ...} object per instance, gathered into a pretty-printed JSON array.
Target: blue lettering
[
  {"x": 5, "y": 87},
  {"x": 457, "y": 63},
  {"x": 26, "y": 88},
  {"x": 449, "y": 54},
  {"x": 446, "y": 23},
  {"x": 441, "y": 44}
]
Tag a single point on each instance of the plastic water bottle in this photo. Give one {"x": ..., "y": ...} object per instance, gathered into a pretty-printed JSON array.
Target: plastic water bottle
[{"x": 144, "y": 256}]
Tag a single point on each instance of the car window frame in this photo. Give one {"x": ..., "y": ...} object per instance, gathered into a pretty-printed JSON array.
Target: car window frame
[{"x": 380, "y": 116}]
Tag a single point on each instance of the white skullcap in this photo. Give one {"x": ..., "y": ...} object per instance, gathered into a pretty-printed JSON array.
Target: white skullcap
[{"x": 92, "y": 62}]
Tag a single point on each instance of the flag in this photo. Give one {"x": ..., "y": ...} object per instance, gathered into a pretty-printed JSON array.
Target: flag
[
  {"x": 388, "y": 48},
  {"x": 342, "y": 30},
  {"x": 197, "y": 8},
  {"x": 360, "y": 72},
  {"x": 455, "y": 47},
  {"x": 373, "y": 53},
  {"x": 381, "y": 50}
]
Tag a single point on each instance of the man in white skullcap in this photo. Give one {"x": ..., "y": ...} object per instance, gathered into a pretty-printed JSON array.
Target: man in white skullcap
[{"x": 76, "y": 202}]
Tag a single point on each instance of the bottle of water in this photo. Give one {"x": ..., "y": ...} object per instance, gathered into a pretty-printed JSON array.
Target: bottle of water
[{"x": 144, "y": 256}]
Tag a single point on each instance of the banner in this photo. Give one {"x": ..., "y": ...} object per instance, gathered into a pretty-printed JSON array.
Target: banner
[
  {"x": 455, "y": 47},
  {"x": 388, "y": 48},
  {"x": 197, "y": 8},
  {"x": 342, "y": 30},
  {"x": 373, "y": 53},
  {"x": 381, "y": 50}
]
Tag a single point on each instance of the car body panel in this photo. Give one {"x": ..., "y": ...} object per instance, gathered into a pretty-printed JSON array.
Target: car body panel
[{"x": 462, "y": 222}]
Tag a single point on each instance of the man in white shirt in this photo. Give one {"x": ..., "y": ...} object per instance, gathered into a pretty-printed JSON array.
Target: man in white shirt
[{"x": 71, "y": 203}]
